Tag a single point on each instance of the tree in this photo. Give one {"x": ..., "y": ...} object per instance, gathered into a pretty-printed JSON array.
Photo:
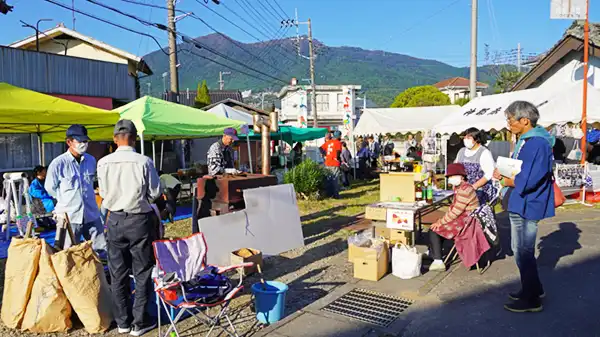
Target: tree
[
  {"x": 506, "y": 80},
  {"x": 462, "y": 101},
  {"x": 202, "y": 96},
  {"x": 426, "y": 95}
]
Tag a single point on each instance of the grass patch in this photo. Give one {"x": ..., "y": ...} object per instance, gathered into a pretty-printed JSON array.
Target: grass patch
[{"x": 319, "y": 213}]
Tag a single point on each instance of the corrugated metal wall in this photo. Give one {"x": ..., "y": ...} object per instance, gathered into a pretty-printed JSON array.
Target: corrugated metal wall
[
  {"x": 59, "y": 74},
  {"x": 20, "y": 152}
]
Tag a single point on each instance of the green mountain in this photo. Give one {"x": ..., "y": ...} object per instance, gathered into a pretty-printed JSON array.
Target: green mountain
[{"x": 382, "y": 74}]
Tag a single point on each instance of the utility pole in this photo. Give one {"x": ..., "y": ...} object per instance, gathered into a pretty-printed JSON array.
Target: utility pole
[
  {"x": 174, "y": 92},
  {"x": 519, "y": 57},
  {"x": 312, "y": 75},
  {"x": 149, "y": 84},
  {"x": 473, "y": 75},
  {"x": 311, "y": 58},
  {"x": 221, "y": 81},
  {"x": 297, "y": 33}
]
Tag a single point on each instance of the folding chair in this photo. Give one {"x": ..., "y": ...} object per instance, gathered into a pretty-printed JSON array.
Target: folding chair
[
  {"x": 186, "y": 258},
  {"x": 453, "y": 253}
]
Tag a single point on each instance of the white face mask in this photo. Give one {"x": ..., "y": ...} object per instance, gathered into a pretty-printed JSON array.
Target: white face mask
[
  {"x": 469, "y": 143},
  {"x": 455, "y": 180},
  {"x": 80, "y": 148}
]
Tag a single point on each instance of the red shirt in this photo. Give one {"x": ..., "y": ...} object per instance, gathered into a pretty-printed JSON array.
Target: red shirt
[{"x": 332, "y": 150}]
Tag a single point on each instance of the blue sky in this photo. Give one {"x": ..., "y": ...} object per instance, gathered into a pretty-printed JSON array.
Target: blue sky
[{"x": 432, "y": 29}]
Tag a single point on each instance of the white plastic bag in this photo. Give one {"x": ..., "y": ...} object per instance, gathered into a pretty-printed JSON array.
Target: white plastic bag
[
  {"x": 406, "y": 262},
  {"x": 576, "y": 132},
  {"x": 575, "y": 153}
]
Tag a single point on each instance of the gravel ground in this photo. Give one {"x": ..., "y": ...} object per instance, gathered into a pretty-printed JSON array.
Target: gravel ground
[{"x": 311, "y": 272}]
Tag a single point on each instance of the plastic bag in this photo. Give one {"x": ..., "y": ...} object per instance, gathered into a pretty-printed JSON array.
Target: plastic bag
[
  {"x": 48, "y": 309},
  {"x": 83, "y": 280},
  {"x": 362, "y": 239},
  {"x": 406, "y": 262},
  {"x": 20, "y": 273},
  {"x": 575, "y": 153}
]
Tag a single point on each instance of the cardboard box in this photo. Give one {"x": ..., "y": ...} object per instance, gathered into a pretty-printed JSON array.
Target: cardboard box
[
  {"x": 373, "y": 212},
  {"x": 401, "y": 185},
  {"x": 368, "y": 265},
  {"x": 393, "y": 236},
  {"x": 247, "y": 255}
]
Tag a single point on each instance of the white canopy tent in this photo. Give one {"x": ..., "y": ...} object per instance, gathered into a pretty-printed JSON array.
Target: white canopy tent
[
  {"x": 231, "y": 113},
  {"x": 402, "y": 120},
  {"x": 556, "y": 106}
]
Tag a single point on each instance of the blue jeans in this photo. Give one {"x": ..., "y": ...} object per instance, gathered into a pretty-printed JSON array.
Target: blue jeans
[
  {"x": 335, "y": 181},
  {"x": 523, "y": 233}
]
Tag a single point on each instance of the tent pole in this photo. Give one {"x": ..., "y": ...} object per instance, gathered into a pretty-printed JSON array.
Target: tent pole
[
  {"x": 40, "y": 149},
  {"x": 249, "y": 151},
  {"x": 154, "y": 151},
  {"x": 142, "y": 142},
  {"x": 162, "y": 149}
]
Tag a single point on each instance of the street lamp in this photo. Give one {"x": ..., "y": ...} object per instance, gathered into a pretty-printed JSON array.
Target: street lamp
[{"x": 37, "y": 33}]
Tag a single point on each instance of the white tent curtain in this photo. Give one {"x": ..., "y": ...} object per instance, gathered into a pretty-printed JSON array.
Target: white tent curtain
[
  {"x": 401, "y": 120},
  {"x": 556, "y": 106},
  {"x": 232, "y": 113}
]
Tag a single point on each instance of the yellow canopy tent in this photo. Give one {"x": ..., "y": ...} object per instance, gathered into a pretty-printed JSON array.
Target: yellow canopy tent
[{"x": 27, "y": 111}]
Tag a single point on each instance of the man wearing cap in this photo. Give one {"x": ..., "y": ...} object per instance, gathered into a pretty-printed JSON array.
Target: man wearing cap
[
  {"x": 333, "y": 150},
  {"x": 70, "y": 180},
  {"x": 129, "y": 184},
  {"x": 220, "y": 154}
]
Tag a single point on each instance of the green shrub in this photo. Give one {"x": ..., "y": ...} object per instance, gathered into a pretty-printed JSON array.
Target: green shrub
[{"x": 308, "y": 179}]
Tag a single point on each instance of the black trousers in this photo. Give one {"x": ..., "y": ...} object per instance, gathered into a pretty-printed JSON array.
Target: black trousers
[
  {"x": 436, "y": 242},
  {"x": 130, "y": 239}
]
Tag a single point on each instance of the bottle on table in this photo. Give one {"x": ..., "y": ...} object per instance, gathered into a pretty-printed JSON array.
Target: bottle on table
[
  {"x": 429, "y": 196},
  {"x": 419, "y": 191}
]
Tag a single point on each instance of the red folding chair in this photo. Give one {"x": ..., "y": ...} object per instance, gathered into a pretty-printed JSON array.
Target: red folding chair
[{"x": 178, "y": 261}]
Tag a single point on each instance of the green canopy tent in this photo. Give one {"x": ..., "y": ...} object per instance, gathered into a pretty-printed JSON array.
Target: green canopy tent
[
  {"x": 291, "y": 134},
  {"x": 156, "y": 119},
  {"x": 30, "y": 112}
]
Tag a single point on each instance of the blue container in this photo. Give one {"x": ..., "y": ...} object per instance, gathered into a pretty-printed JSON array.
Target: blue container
[{"x": 269, "y": 302}]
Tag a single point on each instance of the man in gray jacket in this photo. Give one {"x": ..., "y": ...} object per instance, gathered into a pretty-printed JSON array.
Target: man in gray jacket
[{"x": 129, "y": 184}]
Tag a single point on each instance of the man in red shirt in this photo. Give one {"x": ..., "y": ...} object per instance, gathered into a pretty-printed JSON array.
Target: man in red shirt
[{"x": 332, "y": 150}]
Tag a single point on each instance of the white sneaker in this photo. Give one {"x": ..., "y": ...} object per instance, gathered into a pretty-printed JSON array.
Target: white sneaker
[
  {"x": 437, "y": 265},
  {"x": 123, "y": 330},
  {"x": 139, "y": 331}
]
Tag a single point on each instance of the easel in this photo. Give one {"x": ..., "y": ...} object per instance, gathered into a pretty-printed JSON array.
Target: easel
[{"x": 16, "y": 188}]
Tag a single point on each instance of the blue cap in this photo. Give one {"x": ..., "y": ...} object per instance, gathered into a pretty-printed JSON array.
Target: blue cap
[
  {"x": 337, "y": 134},
  {"x": 78, "y": 132},
  {"x": 231, "y": 132}
]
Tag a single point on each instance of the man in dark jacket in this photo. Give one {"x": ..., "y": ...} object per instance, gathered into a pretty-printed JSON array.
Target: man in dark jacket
[{"x": 530, "y": 199}]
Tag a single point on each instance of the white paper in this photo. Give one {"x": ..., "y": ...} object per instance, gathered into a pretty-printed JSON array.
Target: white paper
[
  {"x": 400, "y": 219},
  {"x": 508, "y": 167}
]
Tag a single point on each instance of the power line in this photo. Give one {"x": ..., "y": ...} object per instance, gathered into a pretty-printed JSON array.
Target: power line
[
  {"x": 240, "y": 28},
  {"x": 196, "y": 17},
  {"x": 246, "y": 21},
  {"x": 73, "y": 9},
  {"x": 282, "y": 11},
  {"x": 184, "y": 37},
  {"x": 274, "y": 10}
]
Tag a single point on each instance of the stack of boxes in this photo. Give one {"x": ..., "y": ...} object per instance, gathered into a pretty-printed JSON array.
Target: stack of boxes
[{"x": 393, "y": 223}]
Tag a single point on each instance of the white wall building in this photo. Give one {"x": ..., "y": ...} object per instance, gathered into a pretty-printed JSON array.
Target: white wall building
[
  {"x": 458, "y": 87},
  {"x": 332, "y": 104}
]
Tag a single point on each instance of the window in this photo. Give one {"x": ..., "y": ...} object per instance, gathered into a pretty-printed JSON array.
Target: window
[
  {"x": 322, "y": 102},
  {"x": 340, "y": 102}
]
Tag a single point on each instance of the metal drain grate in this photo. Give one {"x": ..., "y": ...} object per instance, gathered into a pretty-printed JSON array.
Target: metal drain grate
[{"x": 368, "y": 306}]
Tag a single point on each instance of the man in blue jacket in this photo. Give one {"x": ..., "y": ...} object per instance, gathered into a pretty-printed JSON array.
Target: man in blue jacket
[{"x": 530, "y": 199}]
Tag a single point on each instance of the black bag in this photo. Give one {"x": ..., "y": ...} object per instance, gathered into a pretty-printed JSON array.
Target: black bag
[
  {"x": 207, "y": 287},
  {"x": 506, "y": 198}
]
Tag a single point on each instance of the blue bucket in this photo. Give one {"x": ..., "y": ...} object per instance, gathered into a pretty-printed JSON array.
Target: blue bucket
[{"x": 269, "y": 302}]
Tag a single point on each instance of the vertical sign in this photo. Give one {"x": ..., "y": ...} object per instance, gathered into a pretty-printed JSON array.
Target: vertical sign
[
  {"x": 348, "y": 110},
  {"x": 568, "y": 9},
  {"x": 302, "y": 109}
]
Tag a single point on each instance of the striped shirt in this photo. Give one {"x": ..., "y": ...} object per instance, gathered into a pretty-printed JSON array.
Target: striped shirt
[{"x": 465, "y": 200}]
